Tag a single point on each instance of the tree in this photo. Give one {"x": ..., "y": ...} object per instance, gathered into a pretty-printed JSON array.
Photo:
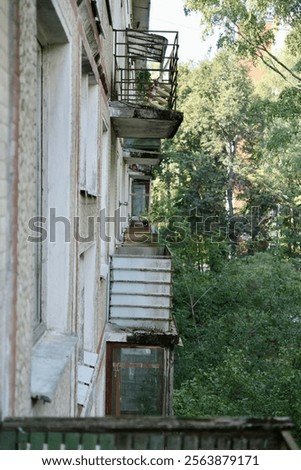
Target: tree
[
  {"x": 242, "y": 356},
  {"x": 273, "y": 172},
  {"x": 203, "y": 166},
  {"x": 243, "y": 27},
  {"x": 238, "y": 315}
]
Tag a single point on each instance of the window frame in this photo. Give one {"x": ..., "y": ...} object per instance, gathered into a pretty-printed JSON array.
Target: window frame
[
  {"x": 39, "y": 324},
  {"x": 111, "y": 408}
]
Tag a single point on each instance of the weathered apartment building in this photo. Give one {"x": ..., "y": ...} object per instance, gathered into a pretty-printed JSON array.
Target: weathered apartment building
[
  {"x": 86, "y": 329},
  {"x": 87, "y": 94}
]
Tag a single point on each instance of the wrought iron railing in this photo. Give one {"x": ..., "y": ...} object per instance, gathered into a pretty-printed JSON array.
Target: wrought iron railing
[
  {"x": 146, "y": 433},
  {"x": 146, "y": 68}
]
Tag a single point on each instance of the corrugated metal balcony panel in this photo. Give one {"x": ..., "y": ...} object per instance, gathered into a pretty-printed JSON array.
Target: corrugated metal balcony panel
[
  {"x": 136, "y": 311},
  {"x": 141, "y": 288},
  {"x": 145, "y": 288},
  {"x": 145, "y": 263},
  {"x": 133, "y": 275}
]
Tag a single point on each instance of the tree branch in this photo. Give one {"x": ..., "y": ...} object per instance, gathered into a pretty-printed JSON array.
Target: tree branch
[
  {"x": 265, "y": 49},
  {"x": 260, "y": 49}
]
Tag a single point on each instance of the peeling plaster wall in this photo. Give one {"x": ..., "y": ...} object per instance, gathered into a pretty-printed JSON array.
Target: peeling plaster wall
[
  {"x": 25, "y": 298},
  {"x": 19, "y": 175},
  {"x": 6, "y": 24},
  {"x": 63, "y": 400}
]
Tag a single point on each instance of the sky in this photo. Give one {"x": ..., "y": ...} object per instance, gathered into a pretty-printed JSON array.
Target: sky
[{"x": 169, "y": 15}]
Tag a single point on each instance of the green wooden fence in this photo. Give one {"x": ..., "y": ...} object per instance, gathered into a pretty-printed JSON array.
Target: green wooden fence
[{"x": 145, "y": 433}]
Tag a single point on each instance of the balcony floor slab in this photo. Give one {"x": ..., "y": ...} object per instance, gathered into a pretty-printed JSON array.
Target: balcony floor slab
[{"x": 139, "y": 122}]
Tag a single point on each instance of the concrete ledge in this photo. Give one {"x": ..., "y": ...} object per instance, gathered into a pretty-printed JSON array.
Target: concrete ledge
[
  {"x": 140, "y": 122},
  {"x": 49, "y": 358}
]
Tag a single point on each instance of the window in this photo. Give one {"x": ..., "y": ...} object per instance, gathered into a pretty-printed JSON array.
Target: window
[
  {"x": 89, "y": 130},
  {"x": 87, "y": 277},
  {"x": 55, "y": 349},
  {"x": 53, "y": 124},
  {"x": 38, "y": 324},
  {"x": 140, "y": 198},
  {"x": 104, "y": 191},
  {"x": 135, "y": 380}
]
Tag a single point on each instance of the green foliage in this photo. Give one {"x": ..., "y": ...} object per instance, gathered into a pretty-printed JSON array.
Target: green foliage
[
  {"x": 274, "y": 172},
  {"x": 242, "y": 354},
  {"x": 215, "y": 99},
  {"x": 201, "y": 166},
  {"x": 143, "y": 84},
  {"x": 242, "y": 28},
  {"x": 238, "y": 315}
]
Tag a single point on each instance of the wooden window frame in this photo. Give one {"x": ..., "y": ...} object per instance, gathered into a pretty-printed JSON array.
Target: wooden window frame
[{"x": 111, "y": 346}]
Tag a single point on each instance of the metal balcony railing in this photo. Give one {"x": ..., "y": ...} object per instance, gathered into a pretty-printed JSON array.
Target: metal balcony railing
[{"x": 146, "y": 68}]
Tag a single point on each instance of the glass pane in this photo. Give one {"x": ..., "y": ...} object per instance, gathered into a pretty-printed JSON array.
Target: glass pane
[
  {"x": 138, "y": 381},
  {"x": 138, "y": 199}
]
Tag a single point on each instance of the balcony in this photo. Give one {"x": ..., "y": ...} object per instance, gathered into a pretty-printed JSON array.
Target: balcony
[
  {"x": 145, "y": 84},
  {"x": 142, "y": 433},
  {"x": 142, "y": 151},
  {"x": 141, "y": 286}
]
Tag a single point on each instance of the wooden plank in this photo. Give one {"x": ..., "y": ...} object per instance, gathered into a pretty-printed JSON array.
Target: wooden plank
[
  {"x": 289, "y": 441},
  {"x": 23, "y": 439},
  {"x": 37, "y": 440},
  {"x": 54, "y": 440},
  {"x": 71, "y": 440},
  {"x": 123, "y": 441},
  {"x": 173, "y": 441},
  {"x": 89, "y": 441},
  {"x": 224, "y": 442},
  {"x": 8, "y": 440},
  {"x": 190, "y": 441},
  {"x": 140, "y": 441},
  {"x": 136, "y": 365},
  {"x": 147, "y": 423},
  {"x": 117, "y": 392},
  {"x": 240, "y": 443},
  {"x": 156, "y": 442},
  {"x": 106, "y": 441}
]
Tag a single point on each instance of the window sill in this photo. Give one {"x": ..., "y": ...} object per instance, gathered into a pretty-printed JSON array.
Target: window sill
[{"x": 49, "y": 358}]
